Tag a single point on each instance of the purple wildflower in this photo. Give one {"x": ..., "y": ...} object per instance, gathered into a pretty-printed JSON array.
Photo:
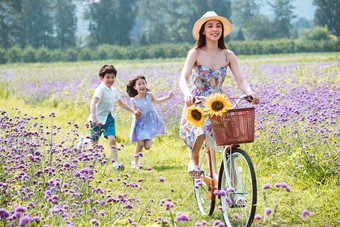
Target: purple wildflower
[
  {"x": 236, "y": 217},
  {"x": 230, "y": 190},
  {"x": 268, "y": 211},
  {"x": 94, "y": 222},
  {"x": 24, "y": 220},
  {"x": 229, "y": 201},
  {"x": 202, "y": 223},
  {"x": 282, "y": 185},
  {"x": 218, "y": 223},
  {"x": 168, "y": 205},
  {"x": 140, "y": 179},
  {"x": 4, "y": 213},
  {"x": 305, "y": 213},
  {"x": 181, "y": 217},
  {"x": 161, "y": 179},
  {"x": 20, "y": 209},
  {"x": 266, "y": 186}
]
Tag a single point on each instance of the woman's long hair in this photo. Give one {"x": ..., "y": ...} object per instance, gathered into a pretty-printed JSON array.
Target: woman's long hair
[
  {"x": 130, "y": 86},
  {"x": 201, "y": 42}
]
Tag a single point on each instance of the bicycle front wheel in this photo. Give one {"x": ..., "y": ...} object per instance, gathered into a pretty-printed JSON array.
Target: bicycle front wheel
[
  {"x": 204, "y": 186},
  {"x": 238, "y": 179}
]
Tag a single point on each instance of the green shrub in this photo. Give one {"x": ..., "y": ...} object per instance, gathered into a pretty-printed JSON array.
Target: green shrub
[
  {"x": 29, "y": 54},
  {"x": 43, "y": 55},
  {"x": 142, "y": 53},
  {"x": 102, "y": 52},
  {"x": 14, "y": 54},
  {"x": 57, "y": 55},
  {"x": 3, "y": 57},
  {"x": 317, "y": 34},
  {"x": 170, "y": 50},
  {"x": 116, "y": 52},
  {"x": 85, "y": 54},
  {"x": 71, "y": 54}
]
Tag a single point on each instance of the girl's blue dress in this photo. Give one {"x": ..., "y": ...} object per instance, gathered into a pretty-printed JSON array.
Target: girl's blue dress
[{"x": 147, "y": 126}]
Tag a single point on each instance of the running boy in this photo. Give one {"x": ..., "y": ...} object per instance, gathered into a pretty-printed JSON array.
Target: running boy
[{"x": 102, "y": 117}]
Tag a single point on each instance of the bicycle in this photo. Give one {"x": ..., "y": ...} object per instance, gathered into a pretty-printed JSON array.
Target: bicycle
[{"x": 236, "y": 178}]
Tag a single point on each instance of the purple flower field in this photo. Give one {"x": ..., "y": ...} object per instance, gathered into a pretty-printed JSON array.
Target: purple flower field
[{"x": 46, "y": 180}]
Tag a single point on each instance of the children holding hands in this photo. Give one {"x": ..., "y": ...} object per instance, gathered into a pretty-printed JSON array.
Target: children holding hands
[
  {"x": 146, "y": 123},
  {"x": 102, "y": 117}
]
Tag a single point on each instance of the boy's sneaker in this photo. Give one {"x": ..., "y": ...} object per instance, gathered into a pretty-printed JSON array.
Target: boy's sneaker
[
  {"x": 118, "y": 166},
  {"x": 83, "y": 142},
  {"x": 135, "y": 165}
]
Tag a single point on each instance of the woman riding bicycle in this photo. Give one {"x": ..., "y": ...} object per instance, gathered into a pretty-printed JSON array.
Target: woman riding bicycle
[{"x": 207, "y": 62}]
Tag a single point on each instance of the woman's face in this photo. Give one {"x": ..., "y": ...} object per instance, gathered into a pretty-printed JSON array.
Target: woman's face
[{"x": 213, "y": 30}]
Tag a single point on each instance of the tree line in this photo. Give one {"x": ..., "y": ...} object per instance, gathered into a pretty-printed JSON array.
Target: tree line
[
  {"x": 319, "y": 40},
  {"x": 53, "y": 23}
]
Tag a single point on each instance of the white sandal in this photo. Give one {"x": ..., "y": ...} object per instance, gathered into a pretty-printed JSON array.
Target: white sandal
[{"x": 192, "y": 169}]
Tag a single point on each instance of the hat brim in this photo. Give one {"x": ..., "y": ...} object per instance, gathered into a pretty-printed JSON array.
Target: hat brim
[{"x": 197, "y": 26}]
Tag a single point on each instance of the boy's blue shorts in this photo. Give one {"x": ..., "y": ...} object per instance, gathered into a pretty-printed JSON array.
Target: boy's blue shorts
[{"x": 108, "y": 128}]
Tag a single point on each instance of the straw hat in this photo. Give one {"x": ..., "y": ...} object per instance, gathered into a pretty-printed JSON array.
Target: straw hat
[{"x": 211, "y": 15}]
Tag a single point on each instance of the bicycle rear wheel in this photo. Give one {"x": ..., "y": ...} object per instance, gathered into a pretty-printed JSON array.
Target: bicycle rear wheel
[
  {"x": 204, "y": 186},
  {"x": 238, "y": 179}
]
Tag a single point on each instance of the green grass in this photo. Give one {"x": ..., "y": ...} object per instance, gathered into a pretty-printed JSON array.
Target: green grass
[{"x": 168, "y": 157}]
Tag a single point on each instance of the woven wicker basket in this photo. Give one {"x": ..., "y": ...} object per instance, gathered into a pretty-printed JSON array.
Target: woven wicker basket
[{"x": 234, "y": 127}]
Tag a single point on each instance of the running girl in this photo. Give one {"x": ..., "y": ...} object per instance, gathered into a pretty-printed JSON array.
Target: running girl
[{"x": 149, "y": 125}]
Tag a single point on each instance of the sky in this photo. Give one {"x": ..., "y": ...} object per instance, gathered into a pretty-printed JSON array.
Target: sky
[{"x": 303, "y": 8}]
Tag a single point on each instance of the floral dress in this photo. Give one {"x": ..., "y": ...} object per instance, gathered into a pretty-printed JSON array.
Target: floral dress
[{"x": 205, "y": 82}]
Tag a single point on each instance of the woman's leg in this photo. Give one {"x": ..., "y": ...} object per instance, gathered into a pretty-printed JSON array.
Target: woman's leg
[{"x": 194, "y": 155}]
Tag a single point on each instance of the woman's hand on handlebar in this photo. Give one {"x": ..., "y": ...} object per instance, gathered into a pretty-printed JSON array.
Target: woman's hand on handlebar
[
  {"x": 253, "y": 97},
  {"x": 189, "y": 100}
]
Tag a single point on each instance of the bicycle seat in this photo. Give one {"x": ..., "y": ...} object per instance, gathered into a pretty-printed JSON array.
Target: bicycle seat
[{"x": 210, "y": 142}]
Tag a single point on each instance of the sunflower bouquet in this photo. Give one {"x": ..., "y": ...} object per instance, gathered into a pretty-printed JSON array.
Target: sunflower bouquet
[{"x": 216, "y": 104}]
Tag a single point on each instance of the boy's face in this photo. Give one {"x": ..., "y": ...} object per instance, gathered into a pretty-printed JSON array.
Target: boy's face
[{"x": 109, "y": 79}]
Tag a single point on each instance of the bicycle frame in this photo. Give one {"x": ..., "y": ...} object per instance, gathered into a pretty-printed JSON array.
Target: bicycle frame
[
  {"x": 210, "y": 153},
  {"x": 235, "y": 178}
]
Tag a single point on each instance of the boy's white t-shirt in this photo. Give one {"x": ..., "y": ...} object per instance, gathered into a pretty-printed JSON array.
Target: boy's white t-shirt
[{"x": 107, "y": 97}]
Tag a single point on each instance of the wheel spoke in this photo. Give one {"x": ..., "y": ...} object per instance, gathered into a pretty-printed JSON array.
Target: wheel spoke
[{"x": 238, "y": 174}]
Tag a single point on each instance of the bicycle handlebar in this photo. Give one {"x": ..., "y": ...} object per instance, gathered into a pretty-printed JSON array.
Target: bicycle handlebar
[{"x": 199, "y": 99}]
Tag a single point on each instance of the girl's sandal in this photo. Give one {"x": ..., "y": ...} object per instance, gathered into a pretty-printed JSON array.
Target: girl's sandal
[
  {"x": 194, "y": 171},
  {"x": 238, "y": 201}
]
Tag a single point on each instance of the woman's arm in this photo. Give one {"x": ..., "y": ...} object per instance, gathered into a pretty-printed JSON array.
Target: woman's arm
[
  {"x": 189, "y": 99},
  {"x": 162, "y": 99},
  {"x": 241, "y": 82}
]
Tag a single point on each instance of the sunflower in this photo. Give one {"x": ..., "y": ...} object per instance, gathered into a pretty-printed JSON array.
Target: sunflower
[
  {"x": 217, "y": 104},
  {"x": 194, "y": 115}
]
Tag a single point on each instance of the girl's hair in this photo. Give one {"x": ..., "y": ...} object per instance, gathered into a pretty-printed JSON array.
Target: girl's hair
[
  {"x": 105, "y": 69},
  {"x": 130, "y": 86},
  {"x": 202, "y": 41}
]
